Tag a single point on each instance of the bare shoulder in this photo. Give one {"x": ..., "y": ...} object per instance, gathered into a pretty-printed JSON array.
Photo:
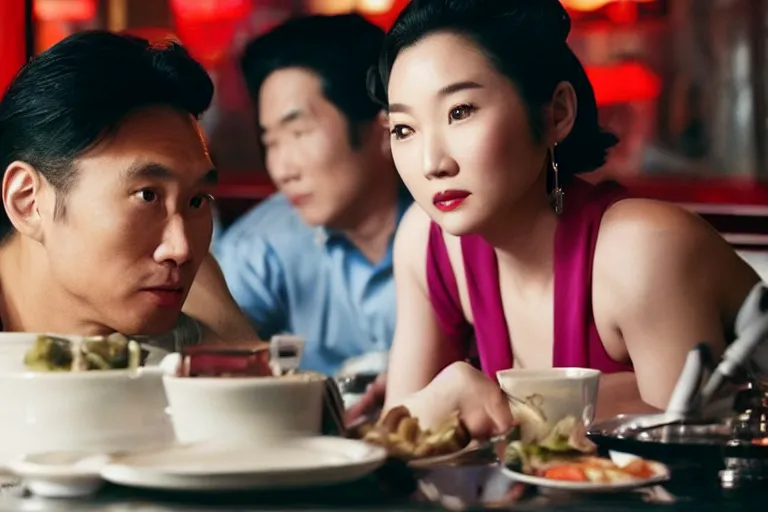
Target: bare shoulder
[
  {"x": 634, "y": 229},
  {"x": 648, "y": 249}
]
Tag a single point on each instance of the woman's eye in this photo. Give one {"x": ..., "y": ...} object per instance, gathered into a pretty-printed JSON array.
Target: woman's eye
[
  {"x": 198, "y": 202},
  {"x": 400, "y": 132},
  {"x": 461, "y": 112},
  {"x": 147, "y": 195}
]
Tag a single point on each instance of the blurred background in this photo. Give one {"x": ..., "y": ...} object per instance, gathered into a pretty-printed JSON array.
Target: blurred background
[{"x": 683, "y": 83}]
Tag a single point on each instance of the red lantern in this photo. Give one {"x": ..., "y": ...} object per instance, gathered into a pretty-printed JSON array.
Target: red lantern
[
  {"x": 64, "y": 10},
  {"x": 381, "y": 12},
  {"x": 207, "y": 27},
  {"x": 13, "y": 51}
]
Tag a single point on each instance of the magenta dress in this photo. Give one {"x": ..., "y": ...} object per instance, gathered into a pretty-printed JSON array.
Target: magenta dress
[{"x": 576, "y": 340}]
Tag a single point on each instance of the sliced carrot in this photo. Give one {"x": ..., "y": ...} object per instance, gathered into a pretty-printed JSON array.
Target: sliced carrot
[
  {"x": 569, "y": 472},
  {"x": 639, "y": 468}
]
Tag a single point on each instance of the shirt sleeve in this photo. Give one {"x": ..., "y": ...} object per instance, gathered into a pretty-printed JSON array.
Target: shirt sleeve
[{"x": 255, "y": 277}]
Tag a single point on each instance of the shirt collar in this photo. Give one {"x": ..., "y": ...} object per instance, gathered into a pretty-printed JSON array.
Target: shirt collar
[{"x": 325, "y": 235}]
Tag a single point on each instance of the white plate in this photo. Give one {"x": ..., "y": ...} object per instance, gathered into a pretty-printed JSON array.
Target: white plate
[
  {"x": 661, "y": 475},
  {"x": 289, "y": 463},
  {"x": 60, "y": 474}
]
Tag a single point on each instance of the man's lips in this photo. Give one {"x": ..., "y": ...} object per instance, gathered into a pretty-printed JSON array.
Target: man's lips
[
  {"x": 166, "y": 296},
  {"x": 298, "y": 199}
]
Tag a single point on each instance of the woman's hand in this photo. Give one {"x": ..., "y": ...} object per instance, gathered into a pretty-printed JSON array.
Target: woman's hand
[{"x": 482, "y": 405}]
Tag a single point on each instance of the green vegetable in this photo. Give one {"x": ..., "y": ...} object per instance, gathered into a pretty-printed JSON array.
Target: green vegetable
[{"x": 51, "y": 354}]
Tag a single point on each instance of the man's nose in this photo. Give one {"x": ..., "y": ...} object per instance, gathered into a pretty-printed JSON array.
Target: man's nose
[
  {"x": 281, "y": 166},
  {"x": 174, "y": 247}
]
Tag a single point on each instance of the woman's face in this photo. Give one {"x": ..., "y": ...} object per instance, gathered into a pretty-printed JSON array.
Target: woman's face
[{"x": 461, "y": 137}]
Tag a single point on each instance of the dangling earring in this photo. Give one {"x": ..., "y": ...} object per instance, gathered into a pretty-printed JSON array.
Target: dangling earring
[{"x": 556, "y": 197}]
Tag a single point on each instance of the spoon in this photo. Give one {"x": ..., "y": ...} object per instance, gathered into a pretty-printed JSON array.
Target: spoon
[{"x": 473, "y": 454}]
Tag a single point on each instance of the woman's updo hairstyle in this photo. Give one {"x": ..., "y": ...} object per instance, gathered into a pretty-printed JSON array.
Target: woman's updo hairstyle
[{"x": 526, "y": 41}]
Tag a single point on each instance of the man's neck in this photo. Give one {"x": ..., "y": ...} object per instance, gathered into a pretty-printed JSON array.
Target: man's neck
[
  {"x": 373, "y": 221},
  {"x": 31, "y": 301}
]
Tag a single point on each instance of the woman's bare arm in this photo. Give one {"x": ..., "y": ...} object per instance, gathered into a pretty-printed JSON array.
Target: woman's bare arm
[
  {"x": 664, "y": 282},
  {"x": 420, "y": 350}
]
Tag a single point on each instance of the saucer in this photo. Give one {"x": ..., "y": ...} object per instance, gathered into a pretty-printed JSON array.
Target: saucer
[{"x": 288, "y": 463}]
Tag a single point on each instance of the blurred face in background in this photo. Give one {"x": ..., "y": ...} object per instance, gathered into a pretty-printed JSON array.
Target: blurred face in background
[{"x": 309, "y": 152}]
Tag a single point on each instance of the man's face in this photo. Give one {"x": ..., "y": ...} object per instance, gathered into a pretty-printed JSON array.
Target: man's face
[
  {"x": 136, "y": 223},
  {"x": 308, "y": 150}
]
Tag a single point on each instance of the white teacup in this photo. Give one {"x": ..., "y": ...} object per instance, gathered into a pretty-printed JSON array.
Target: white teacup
[
  {"x": 551, "y": 394},
  {"x": 245, "y": 409}
]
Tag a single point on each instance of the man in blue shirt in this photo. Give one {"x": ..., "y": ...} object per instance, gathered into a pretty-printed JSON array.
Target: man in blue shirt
[{"x": 315, "y": 259}]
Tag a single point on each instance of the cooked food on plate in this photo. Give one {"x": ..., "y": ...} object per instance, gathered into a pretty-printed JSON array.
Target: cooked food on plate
[
  {"x": 567, "y": 454},
  {"x": 403, "y": 438},
  {"x": 54, "y": 354}
]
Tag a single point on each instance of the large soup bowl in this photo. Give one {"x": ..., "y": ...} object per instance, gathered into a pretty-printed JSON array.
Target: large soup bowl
[{"x": 95, "y": 411}]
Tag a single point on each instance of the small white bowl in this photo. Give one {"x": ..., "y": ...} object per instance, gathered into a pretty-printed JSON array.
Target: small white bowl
[
  {"x": 245, "y": 409},
  {"x": 555, "y": 392},
  {"x": 61, "y": 474}
]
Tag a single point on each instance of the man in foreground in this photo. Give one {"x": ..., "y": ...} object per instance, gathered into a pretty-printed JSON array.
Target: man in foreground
[{"x": 107, "y": 185}]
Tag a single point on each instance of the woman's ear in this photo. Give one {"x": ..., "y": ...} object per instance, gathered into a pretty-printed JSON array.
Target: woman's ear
[
  {"x": 22, "y": 197},
  {"x": 562, "y": 113}
]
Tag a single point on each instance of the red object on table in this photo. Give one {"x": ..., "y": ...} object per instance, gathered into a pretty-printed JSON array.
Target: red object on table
[
  {"x": 216, "y": 361},
  {"x": 13, "y": 43}
]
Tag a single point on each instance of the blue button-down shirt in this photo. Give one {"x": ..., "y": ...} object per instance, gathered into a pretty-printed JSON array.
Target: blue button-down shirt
[{"x": 289, "y": 277}]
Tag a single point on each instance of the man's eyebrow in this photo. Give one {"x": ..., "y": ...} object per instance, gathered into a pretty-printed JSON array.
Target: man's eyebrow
[
  {"x": 153, "y": 170},
  {"x": 445, "y": 91},
  {"x": 287, "y": 118}
]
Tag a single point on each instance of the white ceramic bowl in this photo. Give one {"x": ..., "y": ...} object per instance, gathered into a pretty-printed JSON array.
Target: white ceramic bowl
[
  {"x": 555, "y": 392},
  {"x": 245, "y": 409},
  {"x": 97, "y": 411}
]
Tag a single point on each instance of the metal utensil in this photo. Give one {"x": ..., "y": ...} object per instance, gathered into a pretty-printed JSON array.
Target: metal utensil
[
  {"x": 751, "y": 332},
  {"x": 475, "y": 453}
]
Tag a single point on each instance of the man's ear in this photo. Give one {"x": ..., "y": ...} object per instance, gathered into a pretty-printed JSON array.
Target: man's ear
[
  {"x": 23, "y": 191},
  {"x": 382, "y": 123}
]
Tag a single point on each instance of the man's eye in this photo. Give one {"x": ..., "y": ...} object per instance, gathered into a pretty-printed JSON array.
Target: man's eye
[
  {"x": 147, "y": 195},
  {"x": 199, "y": 201}
]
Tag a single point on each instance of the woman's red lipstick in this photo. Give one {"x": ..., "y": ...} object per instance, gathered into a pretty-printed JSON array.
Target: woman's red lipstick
[{"x": 449, "y": 200}]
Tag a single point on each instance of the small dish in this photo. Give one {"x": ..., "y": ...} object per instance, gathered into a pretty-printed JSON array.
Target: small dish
[
  {"x": 661, "y": 474},
  {"x": 61, "y": 474}
]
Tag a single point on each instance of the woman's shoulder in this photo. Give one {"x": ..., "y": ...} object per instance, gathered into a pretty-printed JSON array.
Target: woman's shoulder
[
  {"x": 639, "y": 223},
  {"x": 638, "y": 233},
  {"x": 646, "y": 248}
]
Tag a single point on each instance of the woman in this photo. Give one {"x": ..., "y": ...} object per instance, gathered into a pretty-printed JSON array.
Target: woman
[{"x": 492, "y": 117}]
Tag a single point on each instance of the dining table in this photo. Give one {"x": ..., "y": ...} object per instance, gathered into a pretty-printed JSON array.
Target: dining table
[{"x": 394, "y": 487}]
